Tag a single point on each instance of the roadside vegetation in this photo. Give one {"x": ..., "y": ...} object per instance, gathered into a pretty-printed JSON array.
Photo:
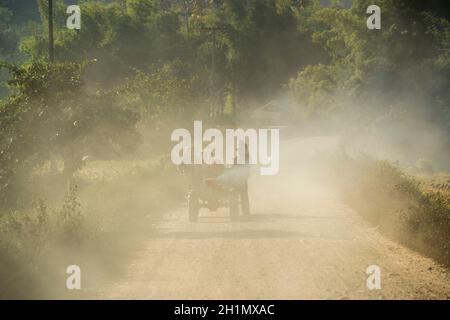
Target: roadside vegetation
[
  {"x": 108, "y": 208},
  {"x": 410, "y": 209}
]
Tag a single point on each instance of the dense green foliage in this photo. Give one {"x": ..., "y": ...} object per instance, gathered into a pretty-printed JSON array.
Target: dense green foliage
[
  {"x": 49, "y": 117},
  {"x": 378, "y": 68},
  {"x": 383, "y": 81}
]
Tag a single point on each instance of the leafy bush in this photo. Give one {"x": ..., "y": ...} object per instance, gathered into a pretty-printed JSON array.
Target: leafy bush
[
  {"x": 170, "y": 92},
  {"x": 49, "y": 115},
  {"x": 26, "y": 238},
  {"x": 395, "y": 202},
  {"x": 96, "y": 224}
]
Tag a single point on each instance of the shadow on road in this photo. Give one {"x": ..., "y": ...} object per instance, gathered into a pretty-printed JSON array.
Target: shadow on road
[{"x": 240, "y": 234}]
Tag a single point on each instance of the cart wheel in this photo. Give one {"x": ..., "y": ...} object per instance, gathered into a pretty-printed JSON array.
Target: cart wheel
[{"x": 193, "y": 207}]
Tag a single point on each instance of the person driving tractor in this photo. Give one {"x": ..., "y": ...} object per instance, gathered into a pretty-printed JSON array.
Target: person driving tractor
[{"x": 215, "y": 185}]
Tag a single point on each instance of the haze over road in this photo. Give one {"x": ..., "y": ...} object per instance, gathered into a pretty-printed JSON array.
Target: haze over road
[{"x": 301, "y": 242}]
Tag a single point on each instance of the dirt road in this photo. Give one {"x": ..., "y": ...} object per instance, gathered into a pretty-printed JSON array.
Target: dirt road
[{"x": 300, "y": 243}]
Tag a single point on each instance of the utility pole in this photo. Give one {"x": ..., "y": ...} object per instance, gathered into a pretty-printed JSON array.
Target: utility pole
[
  {"x": 50, "y": 31},
  {"x": 187, "y": 11},
  {"x": 213, "y": 30}
]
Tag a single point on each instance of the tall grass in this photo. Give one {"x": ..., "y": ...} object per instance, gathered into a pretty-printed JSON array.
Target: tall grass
[
  {"x": 103, "y": 214},
  {"x": 396, "y": 203}
]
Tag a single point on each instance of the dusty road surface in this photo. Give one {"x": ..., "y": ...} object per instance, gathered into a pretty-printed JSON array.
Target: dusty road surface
[{"x": 300, "y": 242}]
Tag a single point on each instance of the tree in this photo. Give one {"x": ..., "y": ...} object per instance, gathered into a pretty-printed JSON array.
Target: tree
[{"x": 49, "y": 115}]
